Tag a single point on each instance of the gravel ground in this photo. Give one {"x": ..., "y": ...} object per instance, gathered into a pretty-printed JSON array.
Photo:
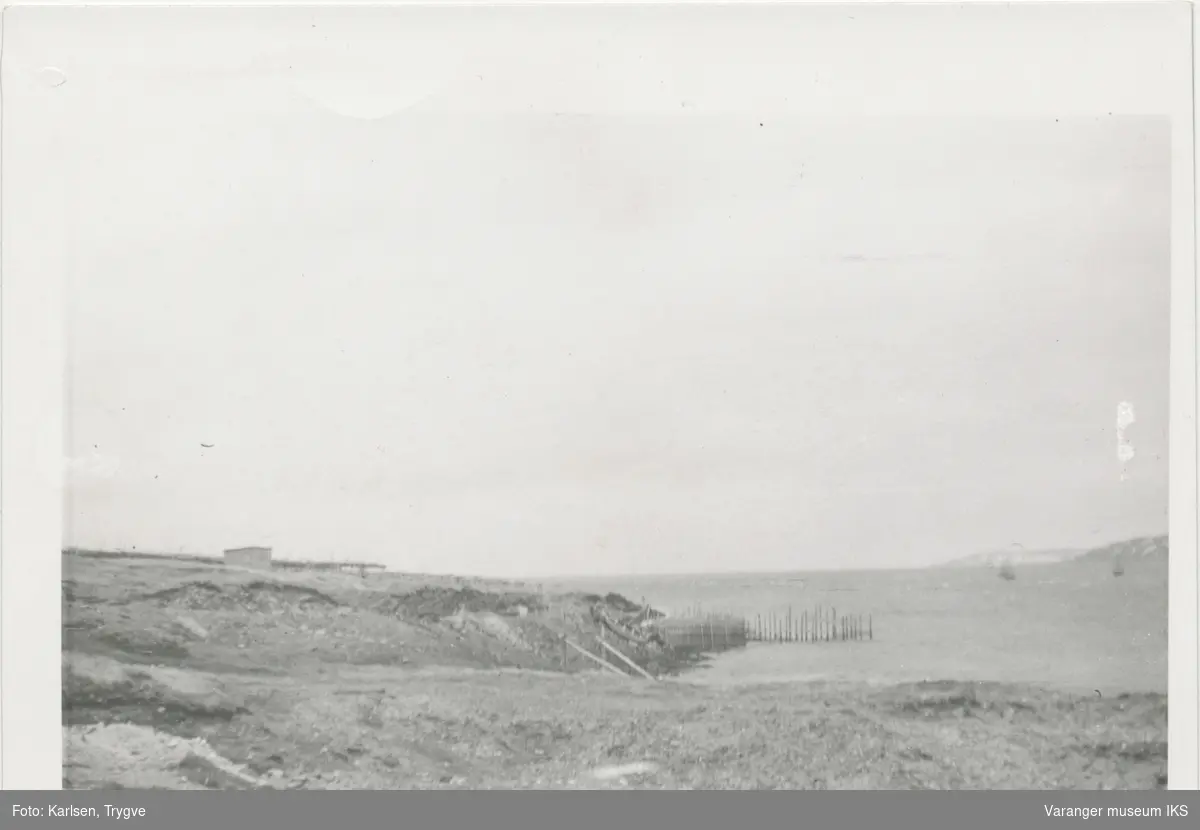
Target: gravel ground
[{"x": 370, "y": 728}]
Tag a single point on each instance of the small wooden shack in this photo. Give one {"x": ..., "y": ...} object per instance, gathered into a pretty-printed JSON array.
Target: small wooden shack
[{"x": 259, "y": 558}]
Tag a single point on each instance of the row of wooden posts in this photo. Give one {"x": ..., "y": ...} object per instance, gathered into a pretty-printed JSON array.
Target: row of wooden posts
[
  {"x": 718, "y": 632},
  {"x": 708, "y": 632},
  {"x": 821, "y": 625},
  {"x": 695, "y": 628}
]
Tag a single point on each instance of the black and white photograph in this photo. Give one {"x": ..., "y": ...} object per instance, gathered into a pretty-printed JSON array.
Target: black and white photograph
[{"x": 607, "y": 408}]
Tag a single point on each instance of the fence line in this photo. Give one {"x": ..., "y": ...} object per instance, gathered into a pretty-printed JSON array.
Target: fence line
[
  {"x": 695, "y": 628},
  {"x": 819, "y": 625},
  {"x": 704, "y": 631}
]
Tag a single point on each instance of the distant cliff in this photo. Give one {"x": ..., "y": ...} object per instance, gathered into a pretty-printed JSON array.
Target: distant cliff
[
  {"x": 1143, "y": 547},
  {"x": 1146, "y": 547}
]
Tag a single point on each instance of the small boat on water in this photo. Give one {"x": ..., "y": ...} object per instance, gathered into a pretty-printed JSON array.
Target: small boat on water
[
  {"x": 1007, "y": 571},
  {"x": 1118, "y": 568}
]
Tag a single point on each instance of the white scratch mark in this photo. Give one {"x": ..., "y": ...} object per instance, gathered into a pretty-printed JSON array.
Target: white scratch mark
[
  {"x": 51, "y": 76},
  {"x": 638, "y": 768},
  {"x": 1125, "y": 452}
]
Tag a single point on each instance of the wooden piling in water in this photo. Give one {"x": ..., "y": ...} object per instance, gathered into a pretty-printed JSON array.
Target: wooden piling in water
[{"x": 722, "y": 630}]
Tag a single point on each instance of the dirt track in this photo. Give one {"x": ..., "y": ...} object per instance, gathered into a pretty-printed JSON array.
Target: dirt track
[{"x": 201, "y": 677}]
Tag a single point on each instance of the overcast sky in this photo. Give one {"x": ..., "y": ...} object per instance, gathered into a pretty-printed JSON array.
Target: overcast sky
[{"x": 521, "y": 342}]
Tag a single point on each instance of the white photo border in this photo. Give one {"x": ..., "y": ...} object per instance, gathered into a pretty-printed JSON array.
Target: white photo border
[{"x": 35, "y": 261}]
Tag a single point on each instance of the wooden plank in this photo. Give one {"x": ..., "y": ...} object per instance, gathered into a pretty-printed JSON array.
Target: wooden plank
[
  {"x": 628, "y": 662},
  {"x": 594, "y": 658}
]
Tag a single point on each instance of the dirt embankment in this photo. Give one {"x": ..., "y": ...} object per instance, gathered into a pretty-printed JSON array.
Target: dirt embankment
[
  {"x": 180, "y": 650},
  {"x": 242, "y": 622}
]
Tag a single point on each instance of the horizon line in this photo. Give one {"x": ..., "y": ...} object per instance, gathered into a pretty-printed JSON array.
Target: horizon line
[{"x": 84, "y": 550}]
